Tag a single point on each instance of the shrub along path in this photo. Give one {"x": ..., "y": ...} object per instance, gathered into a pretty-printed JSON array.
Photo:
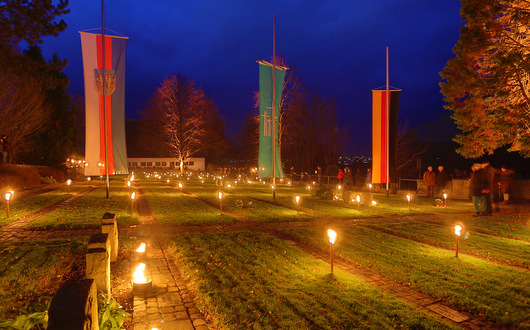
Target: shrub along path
[{"x": 404, "y": 292}]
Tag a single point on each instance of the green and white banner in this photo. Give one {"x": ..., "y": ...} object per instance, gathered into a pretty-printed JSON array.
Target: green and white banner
[{"x": 266, "y": 120}]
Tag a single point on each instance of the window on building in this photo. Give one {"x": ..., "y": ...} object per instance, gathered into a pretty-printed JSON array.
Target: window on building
[
  {"x": 157, "y": 164},
  {"x": 149, "y": 164},
  {"x": 143, "y": 164}
]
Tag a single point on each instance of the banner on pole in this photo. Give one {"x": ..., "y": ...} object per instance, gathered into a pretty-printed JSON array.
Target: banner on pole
[
  {"x": 384, "y": 151},
  {"x": 114, "y": 75},
  {"x": 265, "y": 119}
]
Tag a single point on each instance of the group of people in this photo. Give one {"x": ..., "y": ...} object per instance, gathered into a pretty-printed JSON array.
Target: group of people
[
  {"x": 4, "y": 148},
  {"x": 483, "y": 186},
  {"x": 435, "y": 182}
]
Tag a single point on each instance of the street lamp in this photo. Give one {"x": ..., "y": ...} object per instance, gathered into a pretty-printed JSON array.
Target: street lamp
[
  {"x": 68, "y": 183},
  {"x": 445, "y": 200},
  {"x": 408, "y": 199},
  {"x": 7, "y": 196},
  {"x": 458, "y": 232},
  {"x": 332, "y": 235},
  {"x": 297, "y": 201},
  {"x": 220, "y": 195},
  {"x": 133, "y": 196}
]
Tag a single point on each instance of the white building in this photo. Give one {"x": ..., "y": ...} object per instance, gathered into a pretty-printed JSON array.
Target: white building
[{"x": 192, "y": 163}]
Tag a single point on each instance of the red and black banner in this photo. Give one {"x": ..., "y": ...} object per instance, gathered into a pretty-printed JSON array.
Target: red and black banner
[{"x": 384, "y": 135}]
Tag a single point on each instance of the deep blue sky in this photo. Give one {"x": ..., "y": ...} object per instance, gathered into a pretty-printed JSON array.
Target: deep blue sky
[{"x": 338, "y": 47}]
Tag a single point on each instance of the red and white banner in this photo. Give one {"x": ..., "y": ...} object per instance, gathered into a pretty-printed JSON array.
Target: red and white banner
[{"x": 114, "y": 75}]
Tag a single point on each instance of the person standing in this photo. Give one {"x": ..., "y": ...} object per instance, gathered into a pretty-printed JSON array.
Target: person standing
[
  {"x": 479, "y": 183},
  {"x": 441, "y": 182},
  {"x": 340, "y": 175},
  {"x": 4, "y": 145},
  {"x": 490, "y": 175},
  {"x": 429, "y": 177},
  {"x": 505, "y": 181}
]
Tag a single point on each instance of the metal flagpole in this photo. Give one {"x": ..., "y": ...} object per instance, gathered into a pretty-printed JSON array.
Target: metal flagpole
[
  {"x": 274, "y": 107},
  {"x": 387, "y": 127},
  {"x": 104, "y": 77}
]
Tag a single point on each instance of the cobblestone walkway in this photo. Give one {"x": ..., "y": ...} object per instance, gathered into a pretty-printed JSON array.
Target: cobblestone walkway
[{"x": 169, "y": 305}]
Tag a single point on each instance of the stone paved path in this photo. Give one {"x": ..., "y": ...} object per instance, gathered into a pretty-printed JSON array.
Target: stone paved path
[{"x": 169, "y": 305}]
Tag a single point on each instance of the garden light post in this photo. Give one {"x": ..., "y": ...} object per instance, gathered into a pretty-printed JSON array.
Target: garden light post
[
  {"x": 332, "y": 235},
  {"x": 220, "y": 195},
  {"x": 129, "y": 184},
  {"x": 289, "y": 184},
  {"x": 458, "y": 232},
  {"x": 370, "y": 187},
  {"x": 358, "y": 199},
  {"x": 408, "y": 199},
  {"x": 133, "y": 196},
  {"x": 445, "y": 200},
  {"x": 7, "y": 196},
  {"x": 68, "y": 183},
  {"x": 297, "y": 200},
  {"x": 180, "y": 188}
]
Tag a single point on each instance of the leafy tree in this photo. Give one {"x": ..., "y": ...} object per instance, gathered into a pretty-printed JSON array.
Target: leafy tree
[
  {"x": 486, "y": 84},
  {"x": 30, "y": 20},
  {"x": 188, "y": 118},
  {"x": 53, "y": 138}
]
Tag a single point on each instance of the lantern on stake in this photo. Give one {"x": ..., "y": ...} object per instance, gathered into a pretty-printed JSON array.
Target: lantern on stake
[
  {"x": 332, "y": 235},
  {"x": 7, "y": 197},
  {"x": 458, "y": 233},
  {"x": 297, "y": 201},
  {"x": 133, "y": 196},
  {"x": 220, "y": 195}
]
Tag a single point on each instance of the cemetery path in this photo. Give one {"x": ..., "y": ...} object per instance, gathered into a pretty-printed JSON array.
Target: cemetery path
[{"x": 172, "y": 306}]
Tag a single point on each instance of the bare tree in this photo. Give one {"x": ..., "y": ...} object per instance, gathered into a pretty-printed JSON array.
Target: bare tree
[
  {"x": 185, "y": 115},
  {"x": 23, "y": 113},
  {"x": 409, "y": 149}
]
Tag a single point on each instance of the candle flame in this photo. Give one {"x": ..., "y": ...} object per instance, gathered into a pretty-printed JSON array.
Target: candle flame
[
  {"x": 139, "y": 277},
  {"x": 458, "y": 230},
  {"x": 332, "y": 235},
  {"x": 141, "y": 249}
]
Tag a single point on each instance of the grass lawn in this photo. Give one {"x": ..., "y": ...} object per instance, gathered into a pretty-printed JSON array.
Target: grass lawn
[
  {"x": 173, "y": 208},
  {"x": 499, "y": 292},
  {"x": 28, "y": 202},
  {"x": 511, "y": 251},
  {"x": 86, "y": 212},
  {"x": 33, "y": 270},
  {"x": 254, "y": 280}
]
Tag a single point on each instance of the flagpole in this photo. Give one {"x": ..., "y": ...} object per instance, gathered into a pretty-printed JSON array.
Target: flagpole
[
  {"x": 274, "y": 107},
  {"x": 104, "y": 77},
  {"x": 387, "y": 127}
]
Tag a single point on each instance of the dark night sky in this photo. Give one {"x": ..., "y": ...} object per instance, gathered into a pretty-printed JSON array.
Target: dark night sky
[{"x": 338, "y": 47}]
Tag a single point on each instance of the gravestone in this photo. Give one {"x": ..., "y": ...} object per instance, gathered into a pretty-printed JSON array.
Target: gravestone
[
  {"x": 98, "y": 261},
  {"x": 74, "y": 306},
  {"x": 110, "y": 227}
]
